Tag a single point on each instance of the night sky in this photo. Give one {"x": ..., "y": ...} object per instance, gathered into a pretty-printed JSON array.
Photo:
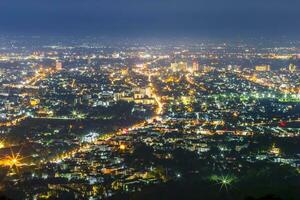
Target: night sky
[{"x": 199, "y": 17}]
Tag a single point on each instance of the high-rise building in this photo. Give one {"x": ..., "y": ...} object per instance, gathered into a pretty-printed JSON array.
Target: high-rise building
[
  {"x": 174, "y": 67},
  {"x": 181, "y": 66},
  {"x": 58, "y": 65},
  {"x": 195, "y": 66}
]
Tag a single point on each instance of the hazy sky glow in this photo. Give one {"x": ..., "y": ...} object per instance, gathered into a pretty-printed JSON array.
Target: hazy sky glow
[{"x": 216, "y": 17}]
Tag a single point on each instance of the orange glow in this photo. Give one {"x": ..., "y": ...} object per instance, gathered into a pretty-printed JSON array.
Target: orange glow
[
  {"x": 2, "y": 145},
  {"x": 122, "y": 147},
  {"x": 13, "y": 160}
]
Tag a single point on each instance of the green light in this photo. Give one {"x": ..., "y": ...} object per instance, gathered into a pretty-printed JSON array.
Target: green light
[{"x": 223, "y": 181}]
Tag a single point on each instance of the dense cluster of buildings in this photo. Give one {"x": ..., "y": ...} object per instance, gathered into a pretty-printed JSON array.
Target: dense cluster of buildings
[{"x": 94, "y": 121}]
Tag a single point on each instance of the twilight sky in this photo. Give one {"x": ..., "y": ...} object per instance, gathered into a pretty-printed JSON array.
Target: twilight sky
[{"x": 199, "y": 17}]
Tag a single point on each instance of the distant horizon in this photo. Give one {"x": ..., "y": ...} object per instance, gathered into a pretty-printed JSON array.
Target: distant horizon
[
  {"x": 154, "y": 34},
  {"x": 152, "y": 38}
]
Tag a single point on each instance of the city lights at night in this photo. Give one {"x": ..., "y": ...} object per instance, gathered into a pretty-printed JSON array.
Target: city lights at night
[{"x": 150, "y": 100}]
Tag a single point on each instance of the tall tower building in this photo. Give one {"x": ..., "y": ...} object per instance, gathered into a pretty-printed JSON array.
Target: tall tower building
[
  {"x": 195, "y": 66},
  {"x": 180, "y": 66}
]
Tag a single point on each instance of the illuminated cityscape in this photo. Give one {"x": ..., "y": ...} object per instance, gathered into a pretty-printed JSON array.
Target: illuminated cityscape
[
  {"x": 149, "y": 100},
  {"x": 99, "y": 122}
]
